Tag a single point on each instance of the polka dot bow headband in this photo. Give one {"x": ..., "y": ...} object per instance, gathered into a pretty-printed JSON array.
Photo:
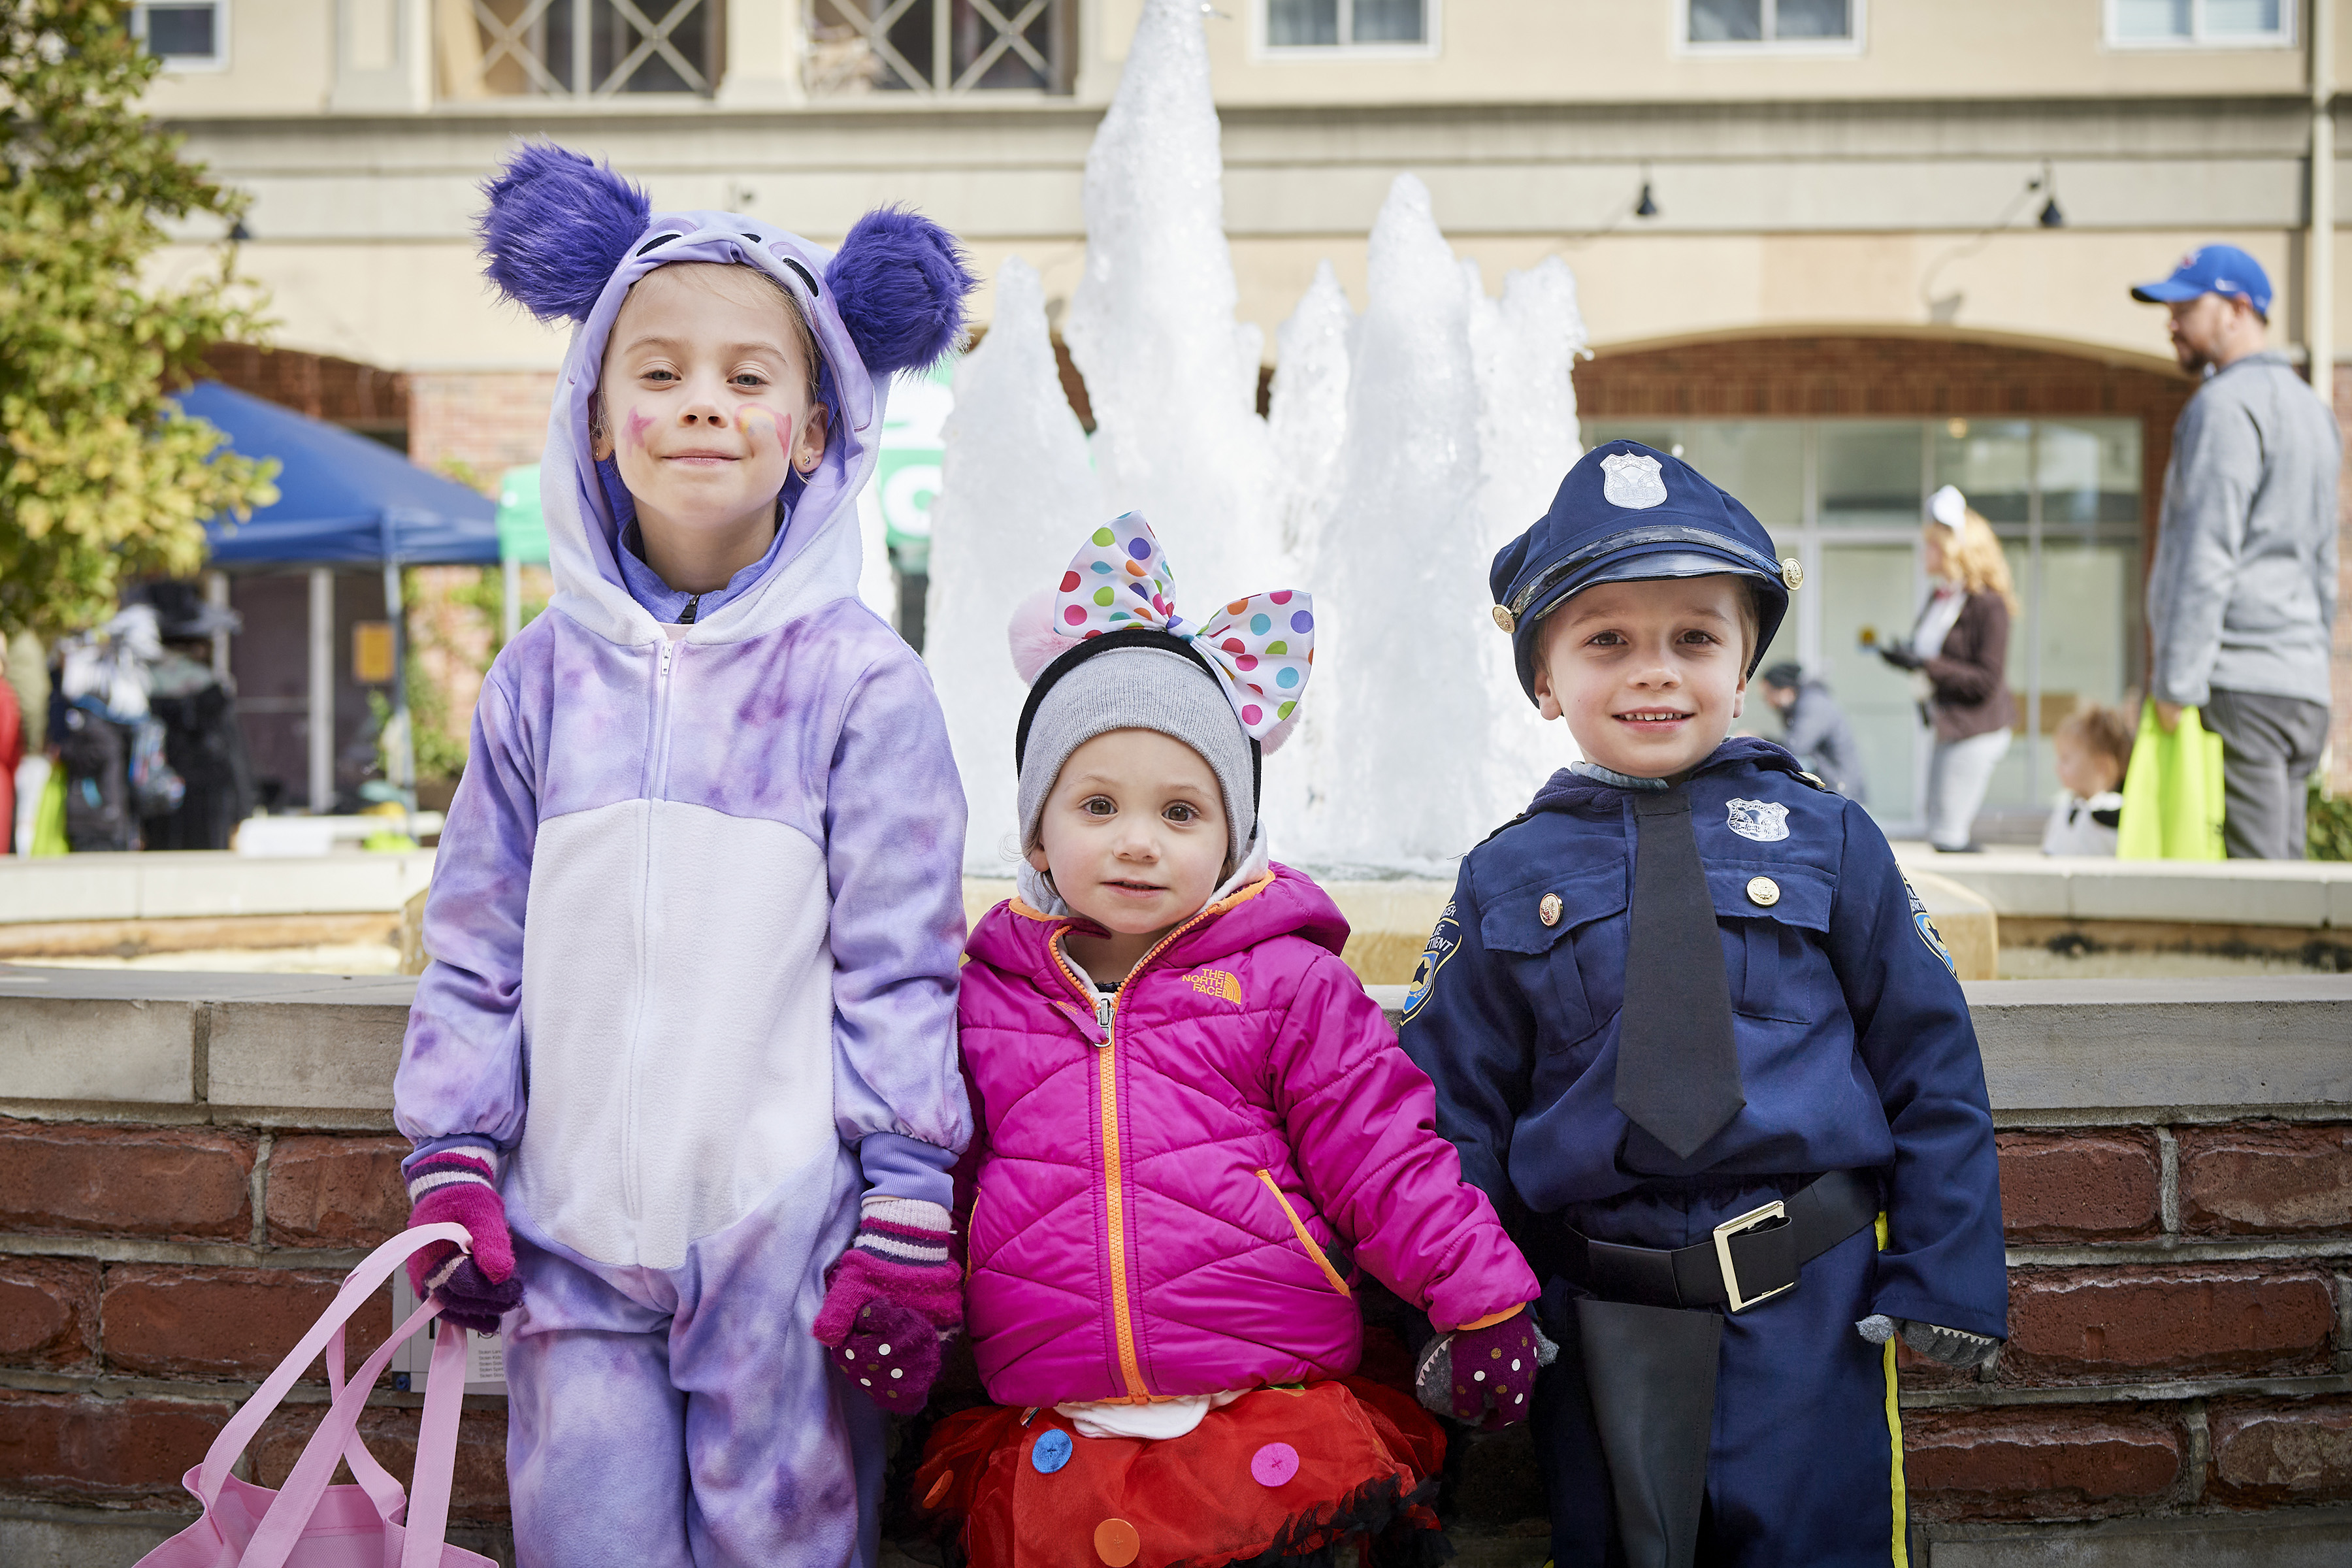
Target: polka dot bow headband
[{"x": 1261, "y": 648}]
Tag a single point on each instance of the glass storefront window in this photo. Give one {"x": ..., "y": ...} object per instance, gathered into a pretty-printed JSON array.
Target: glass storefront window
[
  {"x": 1991, "y": 460},
  {"x": 1870, "y": 473},
  {"x": 1848, "y": 497}
]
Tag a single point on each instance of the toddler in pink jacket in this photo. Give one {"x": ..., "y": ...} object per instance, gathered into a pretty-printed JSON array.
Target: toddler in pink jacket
[{"x": 1193, "y": 1129}]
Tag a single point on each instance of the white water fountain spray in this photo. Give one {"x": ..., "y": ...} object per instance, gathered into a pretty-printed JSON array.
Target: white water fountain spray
[{"x": 1401, "y": 448}]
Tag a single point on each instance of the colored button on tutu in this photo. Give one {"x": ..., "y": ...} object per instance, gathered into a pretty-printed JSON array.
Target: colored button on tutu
[
  {"x": 1051, "y": 1451},
  {"x": 1116, "y": 1544},
  {"x": 1274, "y": 1464}
]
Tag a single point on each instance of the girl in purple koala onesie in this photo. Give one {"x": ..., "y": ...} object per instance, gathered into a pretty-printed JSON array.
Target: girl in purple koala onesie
[{"x": 684, "y": 1064}]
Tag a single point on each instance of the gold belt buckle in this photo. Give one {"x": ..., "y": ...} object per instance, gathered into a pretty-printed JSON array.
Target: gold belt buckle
[{"x": 1751, "y": 1220}]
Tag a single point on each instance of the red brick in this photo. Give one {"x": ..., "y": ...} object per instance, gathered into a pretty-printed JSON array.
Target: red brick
[
  {"x": 2094, "y": 1185},
  {"x": 2039, "y": 1463},
  {"x": 2265, "y": 1178},
  {"x": 336, "y": 1192},
  {"x": 49, "y": 1311},
  {"x": 181, "y": 1181},
  {"x": 478, "y": 1483},
  {"x": 168, "y": 1322},
  {"x": 2281, "y": 1451},
  {"x": 2109, "y": 1325},
  {"x": 132, "y": 1450}
]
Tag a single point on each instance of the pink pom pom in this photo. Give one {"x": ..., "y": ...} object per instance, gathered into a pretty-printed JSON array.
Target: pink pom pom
[
  {"x": 1034, "y": 640},
  {"x": 1272, "y": 740}
]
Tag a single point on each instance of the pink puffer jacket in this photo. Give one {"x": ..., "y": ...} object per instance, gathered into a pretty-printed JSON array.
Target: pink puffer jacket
[{"x": 1157, "y": 1203}]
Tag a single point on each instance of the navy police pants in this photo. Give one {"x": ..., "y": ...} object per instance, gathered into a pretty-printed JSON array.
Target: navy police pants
[{"x": 1805, "y": 1468}]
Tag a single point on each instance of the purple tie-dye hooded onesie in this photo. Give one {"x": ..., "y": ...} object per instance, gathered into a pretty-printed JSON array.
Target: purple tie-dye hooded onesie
[{"x": 695, "y": 929}]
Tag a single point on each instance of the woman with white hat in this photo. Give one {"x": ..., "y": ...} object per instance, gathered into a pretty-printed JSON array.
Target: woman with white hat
[{"x": 1957, "y": 654}]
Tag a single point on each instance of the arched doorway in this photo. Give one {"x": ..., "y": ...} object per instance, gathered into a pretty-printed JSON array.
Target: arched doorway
[{"x": 1836, "y": 440}]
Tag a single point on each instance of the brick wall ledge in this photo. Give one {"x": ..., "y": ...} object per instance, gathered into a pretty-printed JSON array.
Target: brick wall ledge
[
  {"x": 189, "y": 1163},
  {"x": 2310, "y": 894},
  {"x": 187, "y": 883},
  {"x": 312, "y": 1051}
]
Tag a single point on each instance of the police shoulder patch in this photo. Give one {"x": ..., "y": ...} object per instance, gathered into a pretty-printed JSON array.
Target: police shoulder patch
[
  {"x": 1926, "y": 927},
  {"x": 1445, "y": 941}
]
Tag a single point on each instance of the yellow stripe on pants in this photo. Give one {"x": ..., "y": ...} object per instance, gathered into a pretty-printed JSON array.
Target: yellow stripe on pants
[{"x": 1901, "y": 1552}]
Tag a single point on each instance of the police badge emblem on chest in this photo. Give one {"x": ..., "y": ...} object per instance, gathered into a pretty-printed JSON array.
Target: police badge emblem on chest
[
  {"x": 1632, "y": 480},
  {"x": 1762, "y": 820}
]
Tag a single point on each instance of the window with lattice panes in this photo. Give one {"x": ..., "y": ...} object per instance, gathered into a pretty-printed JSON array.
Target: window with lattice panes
[
  {"x": 577, "y": 48},
  {"x": 941, "y": 47}
]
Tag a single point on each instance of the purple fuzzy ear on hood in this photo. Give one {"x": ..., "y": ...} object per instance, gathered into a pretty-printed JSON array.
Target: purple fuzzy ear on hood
[
  {"x": 899, "y": 282},
  {"x": 556, "y": 228}
]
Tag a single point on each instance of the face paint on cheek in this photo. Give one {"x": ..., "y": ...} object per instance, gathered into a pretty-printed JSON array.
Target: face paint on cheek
[
  {"x": 637, "y": 424},
  {"x": 780, "y": 424}
]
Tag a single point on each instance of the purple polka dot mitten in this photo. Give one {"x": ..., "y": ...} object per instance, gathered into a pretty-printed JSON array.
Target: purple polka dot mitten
[
  {"x": 892, "y": 1300},
  {"x": 1485, "y": 1373}
]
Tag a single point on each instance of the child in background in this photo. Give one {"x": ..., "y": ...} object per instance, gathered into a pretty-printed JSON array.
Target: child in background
[
  {"x": 1192, "y": 1128},
  {"x": 684, "y": 1062},
  {"x": 2095, "y": 746},
  {"x": 1697, "y": 1039}
]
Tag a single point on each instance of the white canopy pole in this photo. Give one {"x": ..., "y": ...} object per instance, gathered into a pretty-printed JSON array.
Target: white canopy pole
[{"x": 322, "y": 691}]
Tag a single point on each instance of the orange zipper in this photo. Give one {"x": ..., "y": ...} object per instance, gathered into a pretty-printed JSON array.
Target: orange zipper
[
  {"x": 1114, "y": 1177},
  {"x": 1305, "y": 1240}
]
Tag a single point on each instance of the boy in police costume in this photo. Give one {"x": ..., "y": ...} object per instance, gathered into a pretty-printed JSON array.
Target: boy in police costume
[{"x": 1697, "y": 1040}]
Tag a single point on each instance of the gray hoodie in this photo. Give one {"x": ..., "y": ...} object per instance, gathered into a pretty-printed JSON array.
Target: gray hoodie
[{"x": 2243, "y": 594}]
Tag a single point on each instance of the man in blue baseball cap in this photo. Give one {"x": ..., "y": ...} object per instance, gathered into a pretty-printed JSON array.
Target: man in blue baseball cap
[
  {"x": 2242, "y": 594},
  {"x": 1692, "y": 1034}
]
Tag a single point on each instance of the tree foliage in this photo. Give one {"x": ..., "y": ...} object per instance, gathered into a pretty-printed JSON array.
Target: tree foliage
[{"x": 101, "y": 477}]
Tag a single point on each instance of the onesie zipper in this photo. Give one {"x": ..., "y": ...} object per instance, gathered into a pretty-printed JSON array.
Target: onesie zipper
[
  {"x": 1114, "y": 1176},
  {"x": 656, "y": 780}
]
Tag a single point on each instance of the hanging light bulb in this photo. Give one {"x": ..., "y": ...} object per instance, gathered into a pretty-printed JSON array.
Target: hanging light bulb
[
  {"x": 1646, "y": 206},
  {"x": 2051, "y": 216}
]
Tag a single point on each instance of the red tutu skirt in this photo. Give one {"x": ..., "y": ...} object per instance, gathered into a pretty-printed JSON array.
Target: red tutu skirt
[{"x": 1336, "y": 1469}]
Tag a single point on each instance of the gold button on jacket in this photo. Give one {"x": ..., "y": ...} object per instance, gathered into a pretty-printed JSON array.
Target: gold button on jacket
[{"x": 1764, "y": 890}]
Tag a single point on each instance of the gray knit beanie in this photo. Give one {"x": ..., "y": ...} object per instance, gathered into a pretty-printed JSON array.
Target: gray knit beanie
[{"x": 1140, "y": 688}]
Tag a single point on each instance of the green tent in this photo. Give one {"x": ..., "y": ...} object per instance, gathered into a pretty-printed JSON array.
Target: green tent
[{"x": 522, "y": 538}]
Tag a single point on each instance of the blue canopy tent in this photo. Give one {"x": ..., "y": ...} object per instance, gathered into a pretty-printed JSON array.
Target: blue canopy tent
[{"x": 342, "y": 500}]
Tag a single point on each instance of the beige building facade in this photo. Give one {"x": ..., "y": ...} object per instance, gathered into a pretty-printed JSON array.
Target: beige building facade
[{"x": 1937, "y": 179}]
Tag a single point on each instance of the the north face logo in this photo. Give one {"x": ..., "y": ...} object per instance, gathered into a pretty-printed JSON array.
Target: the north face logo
[{"x": 1216, "y": 982}]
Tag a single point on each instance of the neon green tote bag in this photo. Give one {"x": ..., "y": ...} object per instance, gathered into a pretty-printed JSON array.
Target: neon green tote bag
[{"x": 2172, "y": 791}]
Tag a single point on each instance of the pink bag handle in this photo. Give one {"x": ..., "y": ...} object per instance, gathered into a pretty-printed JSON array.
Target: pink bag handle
[
  {"x": 290, "y": 1514},
  {"x": 386, "y": 1493},
  {"x": 281, "y": 1528},
  {"x": 357, "y": 1292},
  {"x": 437, "y": 1451}
]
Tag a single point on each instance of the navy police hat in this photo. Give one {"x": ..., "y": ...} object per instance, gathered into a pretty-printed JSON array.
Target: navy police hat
[
  {"x": 2214, "y": 269},
  {"x": 1626, "y": 513}
]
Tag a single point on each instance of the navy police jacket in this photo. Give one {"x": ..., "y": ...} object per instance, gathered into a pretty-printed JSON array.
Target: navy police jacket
[{"x": 1855, "y": 1047}]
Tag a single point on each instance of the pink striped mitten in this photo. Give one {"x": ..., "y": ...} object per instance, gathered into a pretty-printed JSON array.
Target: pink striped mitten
[
  {"x": 892, "y": 1300},
  {"x": 474, "y": 1287}
]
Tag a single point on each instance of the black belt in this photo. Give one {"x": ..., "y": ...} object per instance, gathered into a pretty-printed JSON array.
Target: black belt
[{"x": 1751, "y": 1258}]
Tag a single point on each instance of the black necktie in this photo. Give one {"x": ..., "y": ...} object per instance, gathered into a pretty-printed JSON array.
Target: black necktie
[{"x": 1677, "y": 1068}]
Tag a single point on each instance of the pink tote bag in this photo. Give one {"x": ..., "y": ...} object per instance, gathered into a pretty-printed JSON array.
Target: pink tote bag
[{"x": 308, "y": 1524}]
